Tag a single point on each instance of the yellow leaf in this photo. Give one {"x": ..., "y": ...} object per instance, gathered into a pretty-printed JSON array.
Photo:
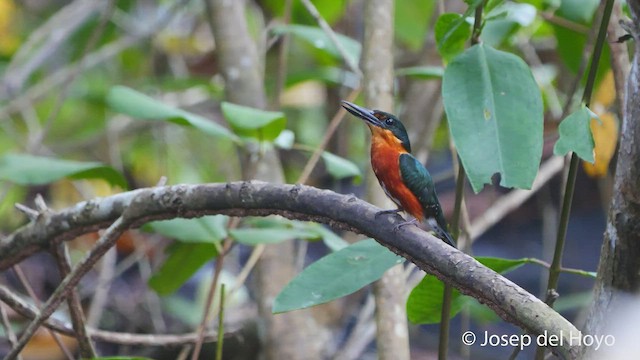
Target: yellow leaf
[
  {"x": 606, "y": 92},
  {"x": 9, "y": 40},
  {"x": 605, "y": 137}
]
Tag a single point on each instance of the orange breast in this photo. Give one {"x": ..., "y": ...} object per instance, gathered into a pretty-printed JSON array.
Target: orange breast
[{"x": 385, "y": 160}]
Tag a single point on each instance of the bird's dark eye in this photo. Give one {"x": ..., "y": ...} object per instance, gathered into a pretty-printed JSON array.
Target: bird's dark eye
[{"x": 389, "y": 121}]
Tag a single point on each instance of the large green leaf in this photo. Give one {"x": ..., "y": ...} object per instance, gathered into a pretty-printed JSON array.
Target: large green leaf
[
  {"x": 318, "y": 38},
  {"x": 335, "y": 275},
  {"x": 36, "y": 170},
  {"x": 183, "y": 261},
  {"x": 575, "y": 135},
  {"x": 451, "y": 31},
  {"x": 424, "y": 304},
  {"x": 254, "y": 123},
  {"x": 207, "y": 229},
  {"x": 270, "y": 235},
  {"x": 141, "y": 106},
  {"x": 340, "y": 167},
  {"x": 495, "y": 114}
]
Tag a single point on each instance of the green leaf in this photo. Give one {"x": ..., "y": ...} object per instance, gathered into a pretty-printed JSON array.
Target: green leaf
[
  {"x": 285, "y": 140},
  {"x": 580, "y": 11},
  {"x": 37, "y": 170},
  {"x": 573, "y": 301},
  {"x": 183, "y": 261},
  {"x": 495, "y": 115},
  {"x": 452, "y": 32},
  {"x": 137, "y": 105},
  {"x": 422, "y": 72},
  {"x": 340, "y": 167},
  {"x": 333, "y": 241},
  {"x": 319, "y": 39},
  {"x": 254, "y": 123},
  {"x": 335, "y": 275},
  {"x": 424, "y": 304},
  {"x": 504, "y": 20},
  {"x": 501, "y": 265},
  {"x": 207, "y": 229},
  {"x": 575, "y": 135},
  {"x": 270, "y": 235},
  {"x": 411, "y": 22}
]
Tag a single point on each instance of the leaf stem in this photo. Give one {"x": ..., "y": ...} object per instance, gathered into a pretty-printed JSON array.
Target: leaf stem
[
  {"x": 220, "y": 325},
  {"x": 443, "y": 340},
  {"x": 556, "y": 264}
]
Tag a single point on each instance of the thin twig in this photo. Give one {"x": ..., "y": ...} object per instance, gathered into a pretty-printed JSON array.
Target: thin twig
[
  {"x": 332, "y": 36},
  {"x": 563, "y": 22},
  {"x": 27, "y": 211},
  {"x": 362, "y": 333},
  {"x": 151, "y": 298},
  {"x": 6, "y": 323},
  {"x": 45, "y": 87},
  {"x": 101, "y": 291},
  {"x": 248, "y": 267},
  {"x": 220, "y": 325},
  {"x": 228, "y": 242},
  {"x": 61, "y": 254},
  {"x": 283, "y": 53},
  {"x": 107, "y": 240},
  {"x": 36, "y": 300},
  {"x": 333, "y": 125},
  {"x": 28, "y": 311},
  {"x": 49, "y": 37},
  {"x": 63, "y": 90}
]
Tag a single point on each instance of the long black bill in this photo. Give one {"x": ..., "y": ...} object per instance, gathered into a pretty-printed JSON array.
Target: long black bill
[{"x": 361, "y": 112}]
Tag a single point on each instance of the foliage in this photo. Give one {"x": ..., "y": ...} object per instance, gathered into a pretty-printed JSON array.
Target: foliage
[{"x": 117, "y": 123}]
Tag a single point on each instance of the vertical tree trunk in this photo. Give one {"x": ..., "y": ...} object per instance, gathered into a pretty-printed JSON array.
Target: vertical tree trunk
[
  {"x": 293, "y": 335},
  {"x": 392, "y": 337},
  {"x": 619, "y": 268}
]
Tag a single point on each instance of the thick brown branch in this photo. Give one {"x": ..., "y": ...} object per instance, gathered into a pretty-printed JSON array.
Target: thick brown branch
[{"x": 507, "y": 299}]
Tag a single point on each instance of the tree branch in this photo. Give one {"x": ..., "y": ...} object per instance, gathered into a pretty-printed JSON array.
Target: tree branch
[{"x": 347, "y": 212}]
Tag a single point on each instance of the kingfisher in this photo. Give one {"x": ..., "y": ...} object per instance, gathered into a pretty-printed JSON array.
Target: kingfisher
[{"x": 402, "y": 177}]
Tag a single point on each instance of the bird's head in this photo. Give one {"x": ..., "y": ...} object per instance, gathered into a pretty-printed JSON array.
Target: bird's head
[{"x": 384, "y": 126}]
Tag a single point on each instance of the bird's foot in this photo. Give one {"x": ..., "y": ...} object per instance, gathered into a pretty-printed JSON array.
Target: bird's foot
[
  {"x": 405, "y": 223},
  {"x": 386, "y": 212}
]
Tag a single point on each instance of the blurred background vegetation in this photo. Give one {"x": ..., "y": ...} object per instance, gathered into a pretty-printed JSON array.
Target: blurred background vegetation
[{"x": 68, "y": 70}]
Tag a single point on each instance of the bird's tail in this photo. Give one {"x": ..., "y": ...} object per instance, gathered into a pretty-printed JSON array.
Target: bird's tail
[
  {"x": 445, "y": 236},
  {"x": 441, "y": 232}
]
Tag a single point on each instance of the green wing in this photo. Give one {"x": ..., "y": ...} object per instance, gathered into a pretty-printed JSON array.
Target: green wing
[
  {"x": 416, "y": 177},
  {"x": 418, "y": 180}
]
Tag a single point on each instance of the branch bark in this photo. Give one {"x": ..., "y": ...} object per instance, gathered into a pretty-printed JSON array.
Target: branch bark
[
  {"x": 430, "y": 254},
  {"x": 619, "y": 268}
]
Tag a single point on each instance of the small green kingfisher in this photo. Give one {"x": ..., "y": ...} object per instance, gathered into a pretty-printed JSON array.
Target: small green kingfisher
[{"x": 402, "y": 177}]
